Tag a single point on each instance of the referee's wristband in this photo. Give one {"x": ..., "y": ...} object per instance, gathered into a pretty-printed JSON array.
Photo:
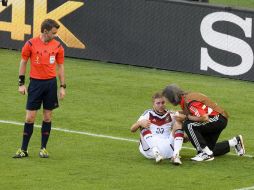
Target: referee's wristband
[
  {"x": 21, "y": 80},
  {"x": 63, "y": 86}
]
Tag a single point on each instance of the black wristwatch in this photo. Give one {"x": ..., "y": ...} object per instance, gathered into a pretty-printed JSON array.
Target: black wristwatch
[{"x": 63, "y": 85}]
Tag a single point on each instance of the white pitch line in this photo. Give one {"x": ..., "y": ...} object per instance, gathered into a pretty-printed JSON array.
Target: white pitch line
[
  {"x": 95, "y": 135},
  {"x": 246, "y": 188},
  {"x": 72, "y": 131},
  {"x": 81, "y": 132}
]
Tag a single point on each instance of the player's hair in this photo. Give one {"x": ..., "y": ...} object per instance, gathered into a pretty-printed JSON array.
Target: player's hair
[
  {"x": 173, "y": 93},
  {"x": 157, "y": 95},
  {"x": 48, "y": 24}
]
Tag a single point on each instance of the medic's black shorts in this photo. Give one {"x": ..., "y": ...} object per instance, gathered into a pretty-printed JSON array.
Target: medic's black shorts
[{"x": 42, "y": 92}]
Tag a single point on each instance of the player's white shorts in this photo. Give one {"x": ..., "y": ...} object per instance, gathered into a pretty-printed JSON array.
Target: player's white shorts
[{"x": 164, "y": 145}]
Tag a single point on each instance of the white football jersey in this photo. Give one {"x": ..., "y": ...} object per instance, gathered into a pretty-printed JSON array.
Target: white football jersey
[{"x": 161, "y": 125}]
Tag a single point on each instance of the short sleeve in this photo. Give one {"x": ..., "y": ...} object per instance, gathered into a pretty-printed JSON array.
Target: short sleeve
[
  {"x": 145, "y": 115},
  {"x": 26, "y": 51},
  {"x": 196, "y": 109},
  {"x": 60, "y": 55}
]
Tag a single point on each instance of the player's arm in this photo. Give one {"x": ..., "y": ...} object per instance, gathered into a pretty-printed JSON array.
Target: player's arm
[
  {"x": 135, "y": 127},
  {"x": 179, "y": 116},
  {"x": 62, "y": 82},
  {"x": 181, "y": 111},
  {"x": 22, "y": 72},
  {"x": 144, "y": 123}
]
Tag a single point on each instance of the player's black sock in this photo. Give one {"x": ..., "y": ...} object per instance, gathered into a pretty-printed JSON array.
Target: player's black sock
[
  {"x": 27, "y": 133},
  {"x": 221, "y": 148},
  {"x": 45, "y": 132}
]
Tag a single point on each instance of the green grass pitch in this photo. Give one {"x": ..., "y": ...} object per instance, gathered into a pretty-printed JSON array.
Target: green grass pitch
[
  {"x": 104, "y": 98},
  {"x": 235, "y": 3}
]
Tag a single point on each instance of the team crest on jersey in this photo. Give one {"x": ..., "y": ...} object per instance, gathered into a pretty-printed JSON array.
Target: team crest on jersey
[
  {"x": 37, "y": 60},
  {"x": 168, "y": 119}
]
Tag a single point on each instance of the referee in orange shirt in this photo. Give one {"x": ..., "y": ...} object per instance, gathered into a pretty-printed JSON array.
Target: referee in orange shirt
[{"x": 45, "y": 55}]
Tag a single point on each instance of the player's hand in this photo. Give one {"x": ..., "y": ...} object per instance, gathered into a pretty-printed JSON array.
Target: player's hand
[
  {"x": 61, "y": 93},
  {"x": 144, "y": 123},
  {"x": 22, "y": 90},
  {"x": 180, "y": 117}
]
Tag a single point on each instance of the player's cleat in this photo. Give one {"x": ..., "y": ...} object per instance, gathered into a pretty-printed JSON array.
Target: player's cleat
[
  {"x": 43, "y": 153},
  {"x": 202, "y": 157},
  {"x": 239, "y": 147},
  {"x": 158, "y": 158},
  {"x": 21, "y": 154},
  {"x": 176, "y": 160},
  {"x": 157, "y": 155}
]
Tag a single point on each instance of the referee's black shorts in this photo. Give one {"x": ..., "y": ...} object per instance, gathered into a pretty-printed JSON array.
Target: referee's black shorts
[{"x": 42, "y": 92}]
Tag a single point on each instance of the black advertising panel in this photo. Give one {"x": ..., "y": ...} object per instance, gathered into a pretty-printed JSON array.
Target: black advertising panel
[{"x": 196, "y": 38}]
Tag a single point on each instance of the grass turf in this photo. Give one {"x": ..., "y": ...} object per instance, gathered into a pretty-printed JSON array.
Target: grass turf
[
  {"x": 235, "y": 3},
  {"x": 104, "y": 98}
]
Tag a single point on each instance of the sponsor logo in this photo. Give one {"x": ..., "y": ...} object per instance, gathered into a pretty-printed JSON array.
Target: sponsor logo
[
  {"x": 18, "y": 28},
  {"x": 227, "y": 43}
]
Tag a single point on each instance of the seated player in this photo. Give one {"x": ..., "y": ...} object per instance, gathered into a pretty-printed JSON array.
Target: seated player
[{"x": 161, "y": 134}]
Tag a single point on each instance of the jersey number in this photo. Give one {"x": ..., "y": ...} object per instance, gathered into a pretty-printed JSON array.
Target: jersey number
[{"x": 160, "y": 130}]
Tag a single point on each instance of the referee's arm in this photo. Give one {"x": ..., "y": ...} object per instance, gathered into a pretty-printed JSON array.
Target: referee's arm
[
  {"x": 61, "y": 78},
  {"x": 22, "y": 72},
  {"x": 22, "y": 67}
]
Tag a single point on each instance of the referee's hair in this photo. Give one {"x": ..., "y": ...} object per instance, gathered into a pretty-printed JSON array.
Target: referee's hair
[
  {"x": 173, "y": 93},
  {"x": 48, "y": 24}
]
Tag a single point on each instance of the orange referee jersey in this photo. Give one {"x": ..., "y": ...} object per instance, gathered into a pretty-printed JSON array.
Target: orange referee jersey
[{"x": 43, "y": 57}]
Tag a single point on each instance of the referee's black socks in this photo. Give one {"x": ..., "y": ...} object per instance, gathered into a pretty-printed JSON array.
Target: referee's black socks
[
  {"x": 45, "y": 132},
  {"x": 27, "y": 133}
]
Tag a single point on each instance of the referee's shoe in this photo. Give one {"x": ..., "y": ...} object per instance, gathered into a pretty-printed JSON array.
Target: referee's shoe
[
  {"x": 43, "y": 153},
  {"x": 239, "y": 147},
  {"x": 21, "y": 154}
]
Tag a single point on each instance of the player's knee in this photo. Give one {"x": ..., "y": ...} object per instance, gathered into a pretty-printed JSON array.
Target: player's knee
[
  {"x": 30, "y": 119},
  {"x": 177, "y": 125},
  {"x": 47, "y": 119},
  {"x": 47, "y": 115},
  {"x": 30, "y": 116}
]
